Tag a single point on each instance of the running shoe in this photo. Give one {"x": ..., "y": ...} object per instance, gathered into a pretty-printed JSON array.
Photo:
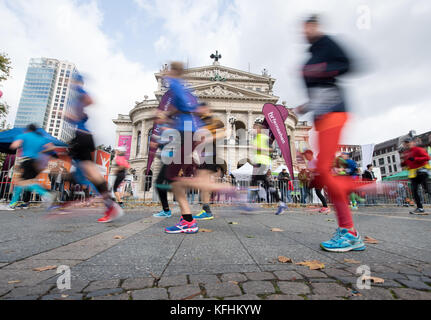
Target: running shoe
[
  {"x": 183, "y": 227},
  {"x": 12, "y": 206},
  {"x": 281, "y": 209},
  {"x": 203, "y": 215},
  {"x": 24, "y": 206},
  {"x": 325, "y": 210},
  {"x": 163, "y": 214},
  {"x": 48, "y": 200},
  {"x": 419, "y": 212},
  {"x": 113, "y": 213},
  {"x": 343, "y": 241}
]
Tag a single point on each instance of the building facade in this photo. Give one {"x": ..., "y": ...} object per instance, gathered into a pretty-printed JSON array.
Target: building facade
[
  {"x": 236, "y": 98},
  {"x": 386, "y": 156},
  {"x": 45, "y": 95}
]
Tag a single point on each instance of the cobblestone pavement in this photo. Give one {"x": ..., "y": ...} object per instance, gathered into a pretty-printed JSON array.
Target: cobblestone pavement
[{"x": 236, "y": 260}]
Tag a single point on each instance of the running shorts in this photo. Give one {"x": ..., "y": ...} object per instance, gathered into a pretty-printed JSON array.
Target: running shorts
[
  {"x": 30, "y": 169},
  {"x": 119, "y": 179},
  {"x": 82, "y": 146}
]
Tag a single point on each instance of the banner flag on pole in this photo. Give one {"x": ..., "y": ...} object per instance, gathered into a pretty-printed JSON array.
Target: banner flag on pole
[{"x": 275, "y": 117}]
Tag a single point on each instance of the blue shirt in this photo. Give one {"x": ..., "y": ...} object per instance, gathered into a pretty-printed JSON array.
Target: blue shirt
[
  {"x": 183, "y": 101},
  {"x": 77, "y": 107},
  {"x": 32, "y": 144}
]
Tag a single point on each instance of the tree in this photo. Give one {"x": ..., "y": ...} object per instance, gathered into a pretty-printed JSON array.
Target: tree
[{"x": 5, "y": 68}]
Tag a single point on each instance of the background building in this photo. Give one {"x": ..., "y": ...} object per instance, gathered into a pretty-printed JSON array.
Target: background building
[
  {"x": 236, "y": 98},
  {"x": 46, "y": 93}
]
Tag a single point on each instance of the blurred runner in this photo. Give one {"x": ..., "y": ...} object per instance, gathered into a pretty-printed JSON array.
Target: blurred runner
[
  {"x": 327, "y": 62},
  {"x": 416, "y": 160},
  {"x": 82, "y": 146},
  {"x": 35, "y": 148},
  {"x": 262, "y": 162},
  {"x": 312, "y": 167},
  {"x": 121, "y": 165},
  {"x": 209, "y": 167},
  {"x": 186, "y": 120}
]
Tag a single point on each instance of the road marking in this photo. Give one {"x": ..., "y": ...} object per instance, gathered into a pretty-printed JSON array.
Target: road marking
[{"x": 390, "y": 217}]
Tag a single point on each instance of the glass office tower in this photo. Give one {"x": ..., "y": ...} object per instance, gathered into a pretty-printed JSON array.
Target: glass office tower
[{"x": 45, "y": 97}]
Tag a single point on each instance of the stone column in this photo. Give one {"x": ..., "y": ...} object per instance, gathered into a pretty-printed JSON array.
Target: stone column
[
  {"x": 144, "y": 141},
  {"x": 134, "y": 142}
]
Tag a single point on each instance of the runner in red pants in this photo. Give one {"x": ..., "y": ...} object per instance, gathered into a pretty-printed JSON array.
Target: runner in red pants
[{"x": 326, "y": 101}]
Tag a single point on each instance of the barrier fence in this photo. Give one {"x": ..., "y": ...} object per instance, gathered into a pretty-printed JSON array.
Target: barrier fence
[{"x": 386, "y": 193}]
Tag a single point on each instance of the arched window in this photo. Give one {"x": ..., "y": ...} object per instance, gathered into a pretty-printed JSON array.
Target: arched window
[
  {"x": 138, "y": 144},
  {"x": 241, "y": 133}
]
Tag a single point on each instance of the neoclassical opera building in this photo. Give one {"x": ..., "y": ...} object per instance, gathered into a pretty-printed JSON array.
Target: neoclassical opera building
[{"x": 236, "y": 97}]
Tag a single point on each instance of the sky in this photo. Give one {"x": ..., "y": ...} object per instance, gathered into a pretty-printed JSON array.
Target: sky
[{"x": 119, "y": 45}]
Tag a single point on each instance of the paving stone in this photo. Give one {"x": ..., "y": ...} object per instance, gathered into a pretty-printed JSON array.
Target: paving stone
[
  {"x": 64, "y": 297},
  {"x": 260, "y": 276},
  {"x": 312, "y": 273},
  {"x": 104, "y": 292},
  {"x": 337, "y": 273},
  {"x": 388, "y": 284},
  {"x": 419, "y": 278},
  {"x": 104, "y": 284},
  {"x": 121, "y": 297},
  {"x": 410, "y": 294},
  {"x": 288, "y": 275},
  {"x": 390, "y": 276},
  {"x": 407, "y": 270},
  {"x": 374, "y": 294},
  {"x": 204, "y": 279},
  {"x": 179, "y": 293},
  {"x": 284, "y": 297},
  {"x": 238, "y": 277},
  {"x": 76, "y": 286},
  {"x": 330, "y": 289},
  {"x": 224, "y": 289},
  {"x": 258, "y": 287},
  {"x": 26, "y": 298},
  {"x": 418, "y": 285},
  {"x": 150, "y": 294},
  {"x": 173, "y": 281},
  {"x": 139, "y": 283},
  {"x": 28, "y": 291},
  {"x": 246, "y": 297},
  {"x": 323, "y": 297},
  {"x": 293, "y": 288}
]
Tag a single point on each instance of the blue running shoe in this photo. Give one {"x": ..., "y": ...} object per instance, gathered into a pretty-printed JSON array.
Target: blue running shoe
[
  {"x": 281, "y": 209},
  {"x": 343, "y": 241},
  {"x": 203, "y": 215},
  {"x": 183, "y": 227},
  {"x": 163, "y": 214}
]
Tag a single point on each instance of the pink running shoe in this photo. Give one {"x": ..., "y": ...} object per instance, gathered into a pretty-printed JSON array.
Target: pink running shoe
[
  {"x": 113, "y": 213},
  {"x": 325, "y": 210}
]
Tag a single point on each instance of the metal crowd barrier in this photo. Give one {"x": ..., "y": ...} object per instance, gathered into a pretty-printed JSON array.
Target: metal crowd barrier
[{"x": 394, "y": 193}]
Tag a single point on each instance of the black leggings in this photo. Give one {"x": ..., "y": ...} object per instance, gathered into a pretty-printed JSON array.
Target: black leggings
[
  {"x": 321, "y": 197},
  {"x": 163, "y": 194},
  {"x": 119, "y": 179},
  {"x": 421, "y": 179}
]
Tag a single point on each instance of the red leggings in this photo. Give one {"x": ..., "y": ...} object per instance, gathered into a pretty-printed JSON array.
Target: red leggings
[{"x": 329, "y": 129}]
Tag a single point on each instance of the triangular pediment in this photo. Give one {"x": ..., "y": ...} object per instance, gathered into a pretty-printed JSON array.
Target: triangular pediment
[
  {"x": 228, "y": 91},
  {"x": 220, "y": 73}
]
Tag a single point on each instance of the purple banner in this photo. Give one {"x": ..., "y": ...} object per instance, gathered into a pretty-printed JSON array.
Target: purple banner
[{"x": 275, "y": 117}]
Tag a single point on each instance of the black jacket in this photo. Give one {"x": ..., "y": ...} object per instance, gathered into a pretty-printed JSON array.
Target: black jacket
[{"x": 327, "y": 62}]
